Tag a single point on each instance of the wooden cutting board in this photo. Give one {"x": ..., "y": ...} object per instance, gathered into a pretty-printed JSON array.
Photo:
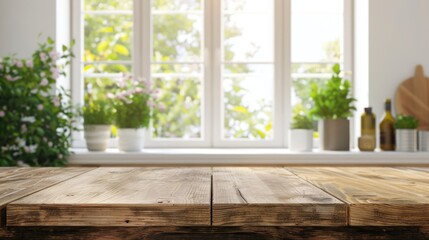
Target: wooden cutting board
[{"x": 412, "y": 98}]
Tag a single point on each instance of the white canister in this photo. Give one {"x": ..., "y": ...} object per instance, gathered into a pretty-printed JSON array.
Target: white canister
[
  {"x": 406, "y": 140},
  {"x": 301, "y": 140},
  {"x": 424, "y": 141},
  {"x": 130, "y": 139}
]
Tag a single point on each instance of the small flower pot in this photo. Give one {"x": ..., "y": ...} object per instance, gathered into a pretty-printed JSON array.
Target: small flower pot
[
  {"x": 130, "y": 139},
  {"x": 335, "y": 134},
  {"x": 301, "y": 140},
  {"x": 423, "y": 141},
  {"x": 97, "y": 137},
  {"x": 406, "y": 140}
]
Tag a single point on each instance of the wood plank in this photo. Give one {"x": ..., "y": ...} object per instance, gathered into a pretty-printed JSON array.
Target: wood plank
[
  {"x": 271, "y": 197},
  {"x": 376, "y": 196},
  {"x": 16, "y": 183},
  {"x": 120, "y": 197},
  {"x": 214, "y": 233}
]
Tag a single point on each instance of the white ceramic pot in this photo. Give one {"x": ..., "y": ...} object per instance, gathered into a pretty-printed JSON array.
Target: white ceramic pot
[
  {"x": 406, "y": 140},
  {"x": 301, "y": 140},
  {"x": 97, "y": 137},
  {"x": 423, "y": 141},
  {"x": 130, "y": 139}
]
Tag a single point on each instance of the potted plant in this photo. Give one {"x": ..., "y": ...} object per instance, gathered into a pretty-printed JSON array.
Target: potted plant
[
  {"x": 133, "y": 103},
  {"x": 98, "y": 118},
  {"x": 301, "y": 133},
  {"x": 36, "y": 117},
  {"x": 333, "y": 105},
  {"x": 406, "y": 133}
]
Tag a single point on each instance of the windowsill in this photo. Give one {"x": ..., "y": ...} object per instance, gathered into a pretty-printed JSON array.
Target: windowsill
[{"x": 245, "y": 157}]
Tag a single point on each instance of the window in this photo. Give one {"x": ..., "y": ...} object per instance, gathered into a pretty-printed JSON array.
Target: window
[{"x": 229, "y": 72}]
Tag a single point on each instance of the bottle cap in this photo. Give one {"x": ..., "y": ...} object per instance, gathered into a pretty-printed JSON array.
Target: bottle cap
[{"x": 368, "y": 110}]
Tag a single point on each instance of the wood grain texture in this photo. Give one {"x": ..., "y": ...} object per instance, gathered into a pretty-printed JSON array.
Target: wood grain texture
[
  {"x": 412, "y": 98},
  {"x": 120, "y": 197},
  {"x": 214, "y": 233},
  {"x": 271, "y": 197},
  {"x": 376, "y": 196},
  {"x": 16, "y": 183}
]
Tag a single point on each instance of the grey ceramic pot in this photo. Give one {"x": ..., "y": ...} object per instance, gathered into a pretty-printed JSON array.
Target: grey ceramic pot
[{"x": 335, "y": 134}]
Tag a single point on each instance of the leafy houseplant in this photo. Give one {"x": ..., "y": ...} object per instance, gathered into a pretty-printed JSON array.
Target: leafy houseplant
[
  {"x": 98, "y": 117},
  {"x": 133, "y": 102},
  {"x": 406, "y": 133},
  {"x": 301, "y": 133},
  {"x": 333, "y": 105},
  {"x": 36, "y": 119}
]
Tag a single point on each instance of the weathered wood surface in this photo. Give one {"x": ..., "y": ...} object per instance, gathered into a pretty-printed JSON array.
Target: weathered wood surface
[
  {"x": 214, "y": 233},
  {"x": 271, "y": 197},
  {"x": 376, "y": 196},
  {"x": 120, "y": 197},
  {"x": 16, "y": 183}
]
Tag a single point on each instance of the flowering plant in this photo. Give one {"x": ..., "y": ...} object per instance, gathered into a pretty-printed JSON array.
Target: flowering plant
[
  {"x": 134, "y": 102},
  {"x": 35, "y": 118}
]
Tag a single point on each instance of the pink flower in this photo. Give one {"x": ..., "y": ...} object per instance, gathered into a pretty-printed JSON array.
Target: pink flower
[
  {"x": 11, "y": 79},
  {"x": 29, "y": 64},
  {"x": 56, "y": 101},
  {"x": 55, "y": 72},
  {"x": 50, "y": 144},
  {"x": 139, "y": 90},
  {"x": 161, "y": 107},
  {"x": 40, "y": 107},
  {"x": 110, "y": 96},
  {"x": 1, "y": 66},
  {"x": 43, "y": 56},
  {"x": 151, "y": 104},
  {"x": 2, "y": 113},
  {"x": 43, "y": 74},
  {"x": 18, "y": 64},
  {"x": 44, "y": 82},
  {"x": 54, "y": 55}
]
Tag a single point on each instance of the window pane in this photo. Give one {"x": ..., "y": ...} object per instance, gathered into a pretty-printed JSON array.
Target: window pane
[
  {"x": 97, "y": 5},
  {"x": 106, "y": 68},
  {"x": 177, "y": 37},
  {"x": 317, "y": 40},
  {"x": 248, "y": 85},
  {"x": 248, "y": 37},
  {"x": 248, "y": 6},
  {"x": 317, "y": 30},
  {"x": 107, "y": 37},
  {"x": 182, "y": 100},
  {"x": 181, "y": 5},
  {"x": 248, "y": 101}
]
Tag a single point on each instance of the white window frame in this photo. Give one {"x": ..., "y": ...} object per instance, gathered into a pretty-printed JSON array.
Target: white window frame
[{"x": 212, "y": 88}]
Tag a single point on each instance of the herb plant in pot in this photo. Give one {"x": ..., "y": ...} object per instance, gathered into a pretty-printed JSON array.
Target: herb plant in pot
[
  {"x": 406, "y": 133},
  {"x": 133, "y": 103},
  {"x": 333, "y": 105},
  {"x": 98, "y": 118},
  {"x": 301, "y": 133}
]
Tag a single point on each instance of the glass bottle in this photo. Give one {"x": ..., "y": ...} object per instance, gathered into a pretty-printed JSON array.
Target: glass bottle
[{"x": 387, "y": 130}]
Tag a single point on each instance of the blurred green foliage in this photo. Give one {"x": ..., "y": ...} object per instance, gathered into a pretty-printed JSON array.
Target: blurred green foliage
[{"x": 406, "y": 122}]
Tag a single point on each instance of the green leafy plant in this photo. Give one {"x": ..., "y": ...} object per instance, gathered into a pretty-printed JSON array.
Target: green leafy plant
[
  {"x": 97, "y": 112},
  {"x": 406, "y": 122},
  {"x": 301, "y": 121},
  {"x": 134, "y": 102},
  {"x": 332, "y": 100},
  {"x": 36, "y": 118}
]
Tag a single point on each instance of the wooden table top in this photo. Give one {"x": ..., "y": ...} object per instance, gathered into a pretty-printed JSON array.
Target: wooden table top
[{"x": 215, "y": 196}]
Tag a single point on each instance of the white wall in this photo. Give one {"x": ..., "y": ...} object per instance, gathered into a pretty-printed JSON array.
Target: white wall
[
  {"x": 21, "y": 22},
  {"x": 398, "y": 41}
]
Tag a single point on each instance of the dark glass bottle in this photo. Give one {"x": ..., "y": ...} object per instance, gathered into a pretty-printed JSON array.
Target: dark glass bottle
[{"x": 387, "y": 130}]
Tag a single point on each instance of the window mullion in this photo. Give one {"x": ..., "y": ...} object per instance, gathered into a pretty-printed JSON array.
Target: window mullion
[
  {"x": 287, "y": 77},
  {"x": 217, "y": 99}
]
